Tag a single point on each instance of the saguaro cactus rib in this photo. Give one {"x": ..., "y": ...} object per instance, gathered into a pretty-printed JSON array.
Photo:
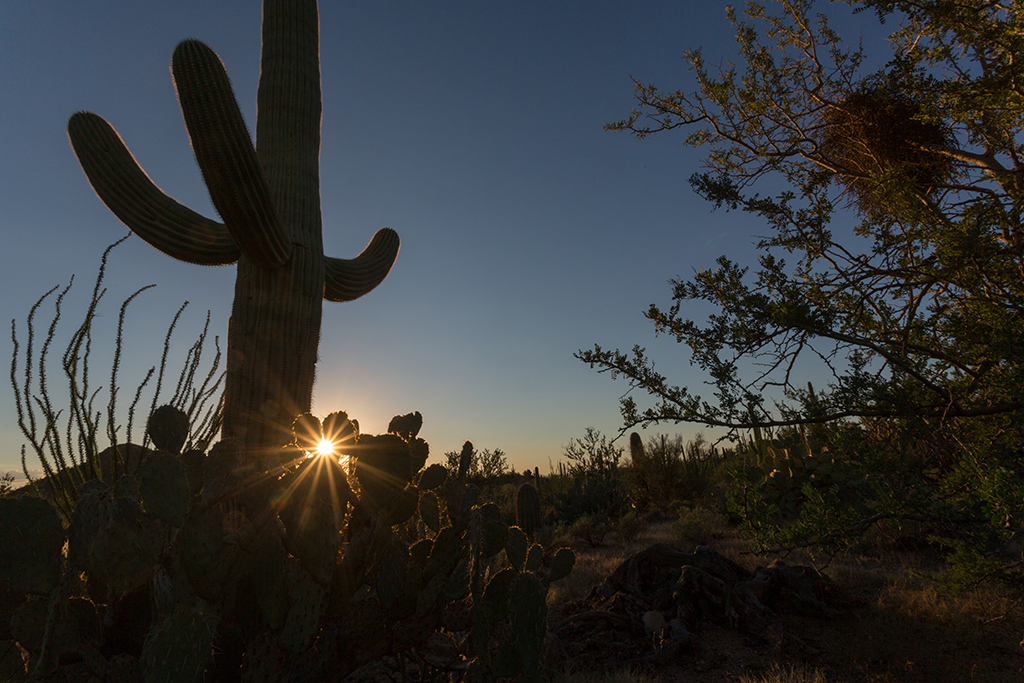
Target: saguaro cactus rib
[
  {"x": 349, "y": 279},
  {"x": 270, "y": 204},
  {"x": 226, "y": 156},
  {"x": 128, "y": 192}
]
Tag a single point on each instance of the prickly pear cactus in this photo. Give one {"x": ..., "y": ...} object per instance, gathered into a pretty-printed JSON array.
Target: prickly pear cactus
[
  {"x": 31, "y": 537},
  {"x": 301, "y": 576},
  {"x": 179, "y": 648},
  {"x": 796, "y": 461},
  {"x": 163, "y": 486},
  {"x": 168, "y": 428}
]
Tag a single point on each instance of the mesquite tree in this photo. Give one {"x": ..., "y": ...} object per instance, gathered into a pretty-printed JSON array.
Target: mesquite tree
[
  {"x": 268, "y": 197},
  {"x": 911, "y": 322}
]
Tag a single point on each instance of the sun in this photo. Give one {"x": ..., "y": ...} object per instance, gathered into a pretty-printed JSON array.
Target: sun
[{"x": 325, "y": 447}]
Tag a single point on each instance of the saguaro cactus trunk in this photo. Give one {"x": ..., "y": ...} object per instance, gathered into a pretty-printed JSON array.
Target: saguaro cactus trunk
[{"x": 268, "y": 197}]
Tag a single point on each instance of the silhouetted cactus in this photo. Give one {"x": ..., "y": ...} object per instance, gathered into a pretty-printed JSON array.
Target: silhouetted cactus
[
  {"x": 528, "y": 508},
  {"x": 268, "y": 197},
  {"x": 528, "y": 615},
  {"x": 168, "y": 428},
  {"x": 382, "y": 467},
  {"x": 465, "y": 459},
  {"x": 179, "y": 648},
  {"x": 175, "y": 576},
  {"x": 31, "y": 537},
  {"x": 164, "y": 486}
]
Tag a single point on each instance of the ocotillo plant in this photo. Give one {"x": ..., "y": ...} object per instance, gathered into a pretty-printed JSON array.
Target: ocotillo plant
[{"x": 268, "y": 197}]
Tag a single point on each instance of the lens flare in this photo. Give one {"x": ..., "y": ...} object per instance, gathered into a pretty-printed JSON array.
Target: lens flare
[{"x": 325, "y": 447}]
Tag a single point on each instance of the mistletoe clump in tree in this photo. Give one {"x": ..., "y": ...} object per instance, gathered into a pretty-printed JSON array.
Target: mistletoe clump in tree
[
  {"x": 268, "y": 197},
  {"x": 916, "y": 313}
]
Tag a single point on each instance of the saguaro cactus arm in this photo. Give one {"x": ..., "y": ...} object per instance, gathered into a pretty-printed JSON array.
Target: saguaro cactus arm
[
  {"x": 349, "y": 279},
  {"x": 128, "y": 192},
  {"x": 226, "y": 156}
]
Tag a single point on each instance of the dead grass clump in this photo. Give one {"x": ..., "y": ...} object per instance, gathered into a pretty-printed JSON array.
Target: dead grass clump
[
  {"x": 786, "y": 674},
  {"x": 924, "y": 599},
  {"x": 621, "y": 676}
]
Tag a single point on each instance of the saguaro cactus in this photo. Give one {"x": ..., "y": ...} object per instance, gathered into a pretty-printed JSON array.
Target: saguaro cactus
[{"x": 268, "y": 197}]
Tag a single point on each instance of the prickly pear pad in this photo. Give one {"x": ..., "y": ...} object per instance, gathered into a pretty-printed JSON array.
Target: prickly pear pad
[
  {"x": 163, "y": 486},
  {"x": 31, "y": 538}
]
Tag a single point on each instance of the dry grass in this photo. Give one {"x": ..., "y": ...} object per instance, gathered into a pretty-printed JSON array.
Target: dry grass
[
  {"x": 785, "y": 674},
  {"x": 623, "y": 676},
  {"x": 911, "y": 631}
]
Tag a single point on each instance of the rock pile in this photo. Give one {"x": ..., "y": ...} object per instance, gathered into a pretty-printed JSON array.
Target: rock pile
[{"x": 652, "y": 609}]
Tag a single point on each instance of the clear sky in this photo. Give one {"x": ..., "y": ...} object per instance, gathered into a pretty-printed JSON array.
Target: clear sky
[{"x": 474, "y": 129}]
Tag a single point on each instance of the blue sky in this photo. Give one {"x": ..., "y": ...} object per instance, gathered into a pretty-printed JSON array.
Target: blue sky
[{"x": 473, "y": 129}]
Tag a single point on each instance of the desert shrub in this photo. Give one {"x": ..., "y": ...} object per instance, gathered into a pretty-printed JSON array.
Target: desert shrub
[
  {"x": 6, "y": 483},
  {"x": 789, "y": 674},
  {"x": 596, "y": 497},
  {"x": 597, "y": 489},
  {"x": 484, "y": 465},
  {"x": 555, "y": 535},
  {"x": 915, "y": 312},
  {"x": 697, "y": 526},
  {"x": 629, "y": 526},
  {"x": 592, "y": 456},
  {"x": 669, "y": 468},
  {"x": 591, "y": 529}
]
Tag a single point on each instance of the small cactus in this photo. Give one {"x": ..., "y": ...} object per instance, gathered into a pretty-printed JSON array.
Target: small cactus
[
  {"x": 516, "y": 547},
  {"x": 528, "y": 508},
  {"x": 430, "y": 511},
  {"x": 637, "y": 452},
  {"x": 168, "y": 428},
  {"x": 461, "y": 498},
  {"x": 406, "y": 426},
  {"x": 465, "y": 459},
  {"x": 561, "y": 564},
  {"x": 493, "y": 532},
  {"x": 391, "y": 572},
  {"x": 383, "y": 468}
]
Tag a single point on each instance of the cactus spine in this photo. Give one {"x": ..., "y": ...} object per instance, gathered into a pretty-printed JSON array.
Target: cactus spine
[{"x": 268, "y": 197}]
